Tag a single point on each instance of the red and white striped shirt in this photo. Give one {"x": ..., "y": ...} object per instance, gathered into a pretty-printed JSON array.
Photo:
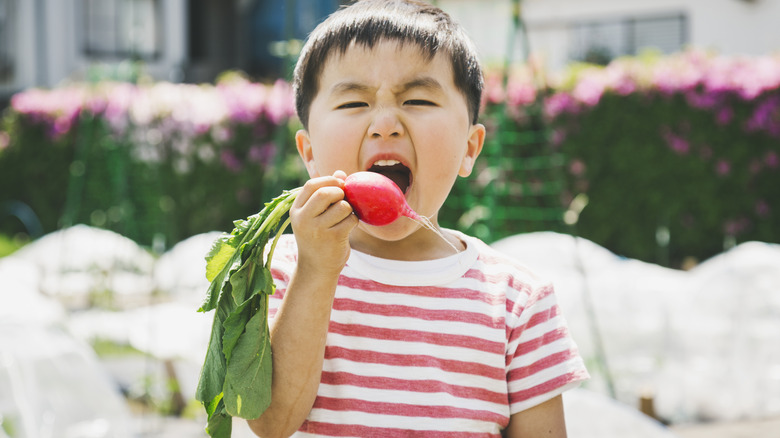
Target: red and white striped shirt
[{"x": 449, "y": 347}]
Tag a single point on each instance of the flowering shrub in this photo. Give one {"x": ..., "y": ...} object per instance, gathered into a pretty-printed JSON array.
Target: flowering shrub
[
  {"x": 152, "y": 159},
  {"x": 686, "y": 145}
]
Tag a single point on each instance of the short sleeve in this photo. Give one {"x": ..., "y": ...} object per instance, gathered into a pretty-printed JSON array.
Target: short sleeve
[{"x": 542, "y": 359}]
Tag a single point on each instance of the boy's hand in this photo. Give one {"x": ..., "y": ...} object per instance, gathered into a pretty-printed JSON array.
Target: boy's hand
[{"x": 322, "y": 221}]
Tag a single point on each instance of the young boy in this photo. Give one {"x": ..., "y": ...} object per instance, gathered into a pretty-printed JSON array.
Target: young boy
[{"x": 388, "y": 331}]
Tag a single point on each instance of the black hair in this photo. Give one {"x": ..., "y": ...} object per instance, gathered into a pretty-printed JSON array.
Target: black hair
[{"x": 367, "y": 22}]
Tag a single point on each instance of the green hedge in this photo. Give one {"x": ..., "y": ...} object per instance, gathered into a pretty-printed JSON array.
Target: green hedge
[
  {"x": 686, "y": 145},
  {"x": 155, "y": 162}
]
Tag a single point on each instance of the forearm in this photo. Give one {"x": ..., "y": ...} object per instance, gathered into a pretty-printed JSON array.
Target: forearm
[
  {"x": 544, "y": 420},
  {"x": 298, "y": 347}
]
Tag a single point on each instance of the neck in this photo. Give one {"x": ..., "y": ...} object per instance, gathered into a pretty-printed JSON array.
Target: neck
[{"x": 422, "y": 244}]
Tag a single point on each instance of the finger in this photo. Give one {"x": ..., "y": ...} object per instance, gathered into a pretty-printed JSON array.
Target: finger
[
  {"x": 340, "y": 174},
  {"x": 322, "y": 200},
  {"x": 311, "y": 186},
  {"x": 335, "y": 214}
]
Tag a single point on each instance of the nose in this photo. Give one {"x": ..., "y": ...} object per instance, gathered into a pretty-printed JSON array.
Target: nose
[{"x": 385, "y": 125}]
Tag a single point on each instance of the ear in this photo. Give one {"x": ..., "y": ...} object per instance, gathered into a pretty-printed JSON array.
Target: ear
[
  {"x": 303, "y": 143},
  {"x": 476, "y": 140}
]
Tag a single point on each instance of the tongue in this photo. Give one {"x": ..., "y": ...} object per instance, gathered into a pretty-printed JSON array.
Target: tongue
[
  {"x": 401, "y": 179},
  {"x": 399, "y": 174}
]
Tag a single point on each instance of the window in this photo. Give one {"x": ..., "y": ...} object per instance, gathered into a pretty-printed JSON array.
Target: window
[
  {"x": 122, "y": 28},
  {"x": 7, "y": 41},
  {"x": 602, "y": 40}
]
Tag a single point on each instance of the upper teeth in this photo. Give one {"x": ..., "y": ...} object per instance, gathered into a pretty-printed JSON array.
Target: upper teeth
[{"x": 387, "y": 163}]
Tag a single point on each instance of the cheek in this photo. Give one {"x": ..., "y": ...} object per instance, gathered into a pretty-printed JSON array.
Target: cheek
[
  {"x": 447, "y": 153},
  {"x": 335, "y": 144}
]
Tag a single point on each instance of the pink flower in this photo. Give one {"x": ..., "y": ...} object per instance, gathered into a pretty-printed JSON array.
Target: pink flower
[
  {"x": 589, "y": 90},
  {"x": 5, "y": 140},
  {"x": 559, "y": 103},
  {"x": 231, "y": 162},
  {"x": 577, "y": 167},
  {"x": 762, "y": 209},
  {"x": 262, "y": 154},
  {"x": 724, "y": 115},
  {"x": 735, "y": 227},
  {"x": 676, "y": 143},
  {"x": 722, "y": 167},
  {"x": 494, "y": 89},
  {"x": 520, "y": 93},
  {"x": 772, "y": 160},
  {"x": 280, "y": 104},
  {"x": 703, "y": 100},
  {"x": 557, "y": 137}
]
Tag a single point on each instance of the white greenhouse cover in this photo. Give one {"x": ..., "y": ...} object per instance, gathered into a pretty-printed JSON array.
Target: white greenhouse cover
[
  {"x": 51, "y": 384},
  {"x": 702, "y": 342}
]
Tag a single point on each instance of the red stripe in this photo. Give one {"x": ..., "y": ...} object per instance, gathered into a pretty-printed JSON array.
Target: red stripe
[
  {"x": 540, "y": 365},
  {"x": 280, "y": 275},
  {"x": 328, "y": 429},
  {"x": 508, "y": 278},
  {"x": 406, "y": 410},
  {"x": 541, "y": 293},
  {"x": 420, "y": 291},
  {"x": 415, "y": 360},
  {"x": 539, "y": 342},
  {"x": 461, "y": 341},
  {"x": 546, "y": 387},
  {"x": 535, "y": 320},
  {"x": 542, "y": 317},
  {"x": 425, "y": 386},
  {"x": 401, "y": 311}
]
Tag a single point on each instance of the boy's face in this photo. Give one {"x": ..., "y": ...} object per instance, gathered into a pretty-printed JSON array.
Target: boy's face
[{"x": 389, "y": 110}]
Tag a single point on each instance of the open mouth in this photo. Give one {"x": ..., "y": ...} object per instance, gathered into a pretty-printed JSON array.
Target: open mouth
[{"x": 397, "y": 172}]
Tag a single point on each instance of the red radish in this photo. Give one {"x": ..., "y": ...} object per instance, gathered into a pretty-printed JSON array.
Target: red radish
[{"x": 377, "y": 200}]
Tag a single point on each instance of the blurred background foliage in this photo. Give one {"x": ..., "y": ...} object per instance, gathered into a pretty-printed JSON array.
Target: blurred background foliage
[{"x": 677, "y": 156}]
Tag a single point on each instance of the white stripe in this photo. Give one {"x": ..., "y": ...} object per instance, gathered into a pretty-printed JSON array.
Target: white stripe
[
  {"x": 539, "y": 399},
  {"x": 410, "y": 323},
  {"x": 408, "y": 398},
  {"x": 543, "y": 305},
  {"x": 544, "y": 375},
  {"x": 415, "y": 348},
  {"x": 540, "y": 353},
  {"x": 413, "y": 373},
  {"x": 424, "y": 302}
]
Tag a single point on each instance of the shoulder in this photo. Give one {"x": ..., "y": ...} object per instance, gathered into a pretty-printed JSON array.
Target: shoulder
[{"x": 499, "y": 266}]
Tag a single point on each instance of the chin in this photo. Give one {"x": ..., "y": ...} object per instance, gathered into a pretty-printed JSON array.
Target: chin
[{"x": 402, "y": 228}]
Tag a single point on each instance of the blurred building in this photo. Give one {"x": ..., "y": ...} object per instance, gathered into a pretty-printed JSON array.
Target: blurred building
[
  {"x": 43, "y": 42},
  {"x": 600, "y": 30}
]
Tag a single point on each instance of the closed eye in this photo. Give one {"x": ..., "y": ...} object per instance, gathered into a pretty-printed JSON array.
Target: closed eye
[
  {"x": 419, "y": 102},
  {"x": 349, "y": 105}
]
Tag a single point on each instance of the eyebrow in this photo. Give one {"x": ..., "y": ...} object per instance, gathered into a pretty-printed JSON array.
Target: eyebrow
[{"x": 425, "y": 82}]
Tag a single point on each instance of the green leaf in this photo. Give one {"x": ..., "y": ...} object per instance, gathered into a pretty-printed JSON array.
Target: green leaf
[
  {"x": 212, "y": 406},
  {"x": 212, "y": 374},
  {"x": 234, "y": 326},
  {"x": 220, "y": 425},
  {"x": 263, "y": 282},
  {"x": 248, "y": 379},
  {"x": 219, "y": 256},
  {"x": 236, "y": 373}
]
